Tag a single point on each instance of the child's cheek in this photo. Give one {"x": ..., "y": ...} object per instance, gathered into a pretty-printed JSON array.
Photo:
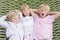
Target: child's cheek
[{"x": 24, "y": 12}]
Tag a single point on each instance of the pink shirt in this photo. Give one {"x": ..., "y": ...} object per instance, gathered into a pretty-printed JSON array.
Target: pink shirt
[{"x": 43, "y": 27}]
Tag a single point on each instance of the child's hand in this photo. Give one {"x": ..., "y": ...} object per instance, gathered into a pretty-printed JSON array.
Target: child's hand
[{"x": 32, "y": 12}]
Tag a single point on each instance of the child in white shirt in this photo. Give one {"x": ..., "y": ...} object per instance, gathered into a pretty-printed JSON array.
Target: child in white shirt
[
  {"x": 14, "y": 28},
  {"x": 28, "y": 22}
]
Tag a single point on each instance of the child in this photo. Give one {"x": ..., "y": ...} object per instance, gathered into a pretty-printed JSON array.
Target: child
[
  {"x": 28, "y": 22},
  {"x": 44, "y": 19},
  {"x": 14, "y": 28}
]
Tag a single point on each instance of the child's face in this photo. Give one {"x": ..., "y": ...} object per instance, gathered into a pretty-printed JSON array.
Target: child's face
[
  {"x": 26, "y": 11},
  {"x": 43, "y": 11},
  {"x": 15, "y": 19}
]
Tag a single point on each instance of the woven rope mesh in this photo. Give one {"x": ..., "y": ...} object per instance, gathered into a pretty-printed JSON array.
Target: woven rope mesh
[{"x": 7, "y": 5}]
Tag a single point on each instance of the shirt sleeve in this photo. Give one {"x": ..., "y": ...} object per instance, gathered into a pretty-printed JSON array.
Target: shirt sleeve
[
  {"x": 20, "y": 15},
  {"x": 53, "y": 18},
  {"x": 2, "y": 22}
]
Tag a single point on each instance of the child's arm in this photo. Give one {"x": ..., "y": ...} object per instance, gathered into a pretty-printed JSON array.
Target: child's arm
[
  {"x": 3, "y": 17},
  {"x": 56, "y": 14},
  {"x": 2, "y": 22},
  {"x": 33, "y": 11},
  {"x": 19, "y": 13},
  {"x": 20, "y": 16}
]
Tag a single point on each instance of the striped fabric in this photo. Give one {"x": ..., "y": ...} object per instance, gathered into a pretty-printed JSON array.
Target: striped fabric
[{"x": 7, "y": 5}]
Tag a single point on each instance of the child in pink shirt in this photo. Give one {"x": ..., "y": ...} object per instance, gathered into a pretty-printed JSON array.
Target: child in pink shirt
[{"x": 43, "y": 27}]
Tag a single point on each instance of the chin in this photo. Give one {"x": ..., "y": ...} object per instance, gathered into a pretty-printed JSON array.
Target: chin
[{"x": 42, "y": 17}]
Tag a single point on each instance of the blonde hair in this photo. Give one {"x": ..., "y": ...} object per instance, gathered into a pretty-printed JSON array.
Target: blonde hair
[
  {"x": 23, "y": 7},
  {"x": 44, "y": 6},
  {"x": 11, "y": 14}
]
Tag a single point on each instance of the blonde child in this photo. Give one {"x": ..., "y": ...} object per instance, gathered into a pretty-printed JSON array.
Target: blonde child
[
  {"x": 28, "y": 22},
  {"x": 43, "y": 29},
  {"x": 14, "y": 28}
]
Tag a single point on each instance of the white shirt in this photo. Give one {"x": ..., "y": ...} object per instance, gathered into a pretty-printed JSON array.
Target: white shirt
[
  {"x": 12, "y": 28},
  {"x": 28, "y": 23}
]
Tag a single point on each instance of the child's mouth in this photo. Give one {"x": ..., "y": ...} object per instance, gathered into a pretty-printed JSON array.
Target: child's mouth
[{"x": 42, "y": 14}]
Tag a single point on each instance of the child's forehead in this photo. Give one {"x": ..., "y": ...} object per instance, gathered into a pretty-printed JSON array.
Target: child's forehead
[
  {"x": 44, "y": 8},
  {"x": 25, "y": 8},
  {"x": 16, "y": 16}
]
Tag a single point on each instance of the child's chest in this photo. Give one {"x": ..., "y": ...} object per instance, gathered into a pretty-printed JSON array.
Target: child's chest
[
  {"x": 28, "y": 20},
  {"x": 14, "y": 26},
  {"x": 46, "y": 20}
]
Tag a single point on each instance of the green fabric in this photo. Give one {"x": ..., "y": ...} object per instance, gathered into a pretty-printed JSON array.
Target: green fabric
[{"x": 7, "y": 5}]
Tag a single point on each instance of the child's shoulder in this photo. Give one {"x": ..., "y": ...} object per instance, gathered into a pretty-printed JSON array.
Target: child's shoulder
[{"x": 51, "y": 15}]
